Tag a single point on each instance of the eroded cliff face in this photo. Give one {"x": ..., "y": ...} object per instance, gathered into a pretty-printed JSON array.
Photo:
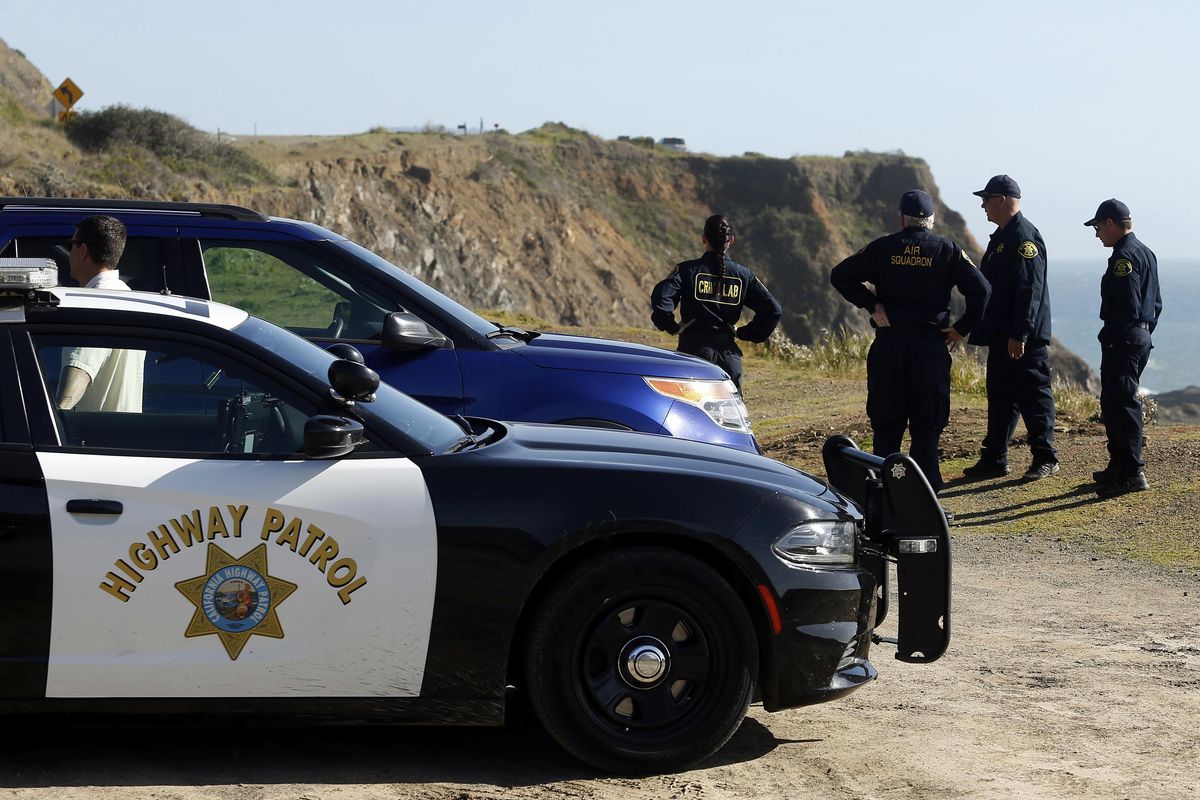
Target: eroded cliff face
[{"x": 578, "y": 230}]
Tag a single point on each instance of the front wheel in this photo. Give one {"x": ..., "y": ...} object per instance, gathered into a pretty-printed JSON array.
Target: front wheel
[{"x": 641, "y": 660}]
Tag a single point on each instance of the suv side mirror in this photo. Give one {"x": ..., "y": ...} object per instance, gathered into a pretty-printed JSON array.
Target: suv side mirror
[
  {"x": 353, "y": 381},
  {"x": 405, "y": 332},
  {"x": 327, "y": 436}
]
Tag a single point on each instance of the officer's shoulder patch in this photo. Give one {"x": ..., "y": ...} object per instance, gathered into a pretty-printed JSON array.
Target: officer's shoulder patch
[
  {"x": 1028, "y": 249},
  {"x": 1122, "y": 267}
]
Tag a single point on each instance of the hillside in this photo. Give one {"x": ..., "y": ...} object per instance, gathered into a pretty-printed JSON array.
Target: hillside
[{"x": 553, "y": 222}]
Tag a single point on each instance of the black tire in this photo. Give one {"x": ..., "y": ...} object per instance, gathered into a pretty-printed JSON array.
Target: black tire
[{"x": 681, "y": 622}]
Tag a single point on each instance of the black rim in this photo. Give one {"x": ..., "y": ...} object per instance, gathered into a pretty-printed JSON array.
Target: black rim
[{"x": 644, "y": 665}]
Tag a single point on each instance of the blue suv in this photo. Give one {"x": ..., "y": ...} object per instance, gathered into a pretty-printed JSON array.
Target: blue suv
[{"x": 328, "y": 289}]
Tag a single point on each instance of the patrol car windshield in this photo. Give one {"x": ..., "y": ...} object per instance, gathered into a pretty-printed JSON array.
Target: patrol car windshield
[
  {"x": 431, "y": 429},
  {"x": 429, "y": 295}
]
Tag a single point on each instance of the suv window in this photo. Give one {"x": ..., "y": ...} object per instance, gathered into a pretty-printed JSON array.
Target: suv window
[
  {"x": 141, "y": 265},
  {"x": 148, "y": 395},
  {"x": 292, "y": 287}
]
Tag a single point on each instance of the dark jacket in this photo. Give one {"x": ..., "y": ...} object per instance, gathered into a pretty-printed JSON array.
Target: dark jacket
[
  {"x": 1015, "y": 266},
  {"x": 913, "y": 271},
  {"x": 711, "y": 299},
  {"x": 1129, "y": 293}
]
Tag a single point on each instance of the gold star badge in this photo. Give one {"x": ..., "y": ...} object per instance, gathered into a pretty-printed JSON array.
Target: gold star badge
[{"x": 235, "y": 599}]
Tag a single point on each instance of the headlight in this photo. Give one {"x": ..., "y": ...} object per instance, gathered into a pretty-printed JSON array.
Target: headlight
[
  {"x": 816, "y": 543},
  {"x": 718, "y": 399}
]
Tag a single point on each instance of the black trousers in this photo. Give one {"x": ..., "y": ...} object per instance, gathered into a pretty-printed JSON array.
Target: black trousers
[
  {"x": 1019, "y": 388},
  {"x": 1121, "y": 365},
  {"x": 720, "y": 350},
  {"x": 908, "y": 385}
]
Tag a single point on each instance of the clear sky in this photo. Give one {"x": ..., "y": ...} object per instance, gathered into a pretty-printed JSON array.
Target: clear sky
[{"x": 1079, "y": 101}]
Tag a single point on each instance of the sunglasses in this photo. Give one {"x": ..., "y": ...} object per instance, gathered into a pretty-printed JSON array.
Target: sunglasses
[{"x": 74, "y": 242}]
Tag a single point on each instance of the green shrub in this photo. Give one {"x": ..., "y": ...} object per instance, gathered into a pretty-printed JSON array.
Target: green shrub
[{"x": 180, "y": 147}]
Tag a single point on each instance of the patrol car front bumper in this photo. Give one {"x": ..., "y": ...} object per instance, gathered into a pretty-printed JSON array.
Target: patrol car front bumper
[
  {"x": 821, "y": 650},
  {"x": 827, "y": 616}
]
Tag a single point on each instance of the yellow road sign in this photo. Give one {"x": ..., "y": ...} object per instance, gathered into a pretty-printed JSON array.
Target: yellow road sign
[
  {"x": 66, "y": 116},
  {"x": 68, "y": 93}
]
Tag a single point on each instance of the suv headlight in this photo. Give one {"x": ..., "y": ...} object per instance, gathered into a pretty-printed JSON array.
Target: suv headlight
[
  {"x": 720, "y": 400},
  {"x": 817, "y": 543}
]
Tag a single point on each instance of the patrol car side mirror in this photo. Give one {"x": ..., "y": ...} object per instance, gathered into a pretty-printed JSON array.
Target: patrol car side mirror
[
  {"x": 346, "y": 351},
  {"x": 353, "y": 381},
  {"x": 405, "y": 332},
  {"x": 327, "y": 436}
]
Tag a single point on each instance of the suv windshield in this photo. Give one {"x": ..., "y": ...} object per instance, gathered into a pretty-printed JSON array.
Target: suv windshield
[
  {"x": 422, "y": 423},
  {"x": 431, "y": 296}
]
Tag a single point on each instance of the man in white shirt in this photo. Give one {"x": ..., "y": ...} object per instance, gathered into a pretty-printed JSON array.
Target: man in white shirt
[{"x": 100, "y": 378}]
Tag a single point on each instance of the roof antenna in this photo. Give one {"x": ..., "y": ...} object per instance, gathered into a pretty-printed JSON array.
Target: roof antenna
[{"x": 165, "y": 289}]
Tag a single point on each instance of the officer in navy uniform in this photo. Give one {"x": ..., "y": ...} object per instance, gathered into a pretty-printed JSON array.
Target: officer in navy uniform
[
  {"x": 908, "y": 367},
  {"x": 1130, "y": 304},
  {"x": 1016, "y": 330},
  {"x": 711, "y": 292}
]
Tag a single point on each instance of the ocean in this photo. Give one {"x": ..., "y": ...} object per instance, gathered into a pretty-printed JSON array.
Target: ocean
[{"x": 1075, "y": 304}]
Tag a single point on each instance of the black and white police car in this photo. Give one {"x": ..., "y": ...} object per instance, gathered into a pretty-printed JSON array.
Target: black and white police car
[{"x": 233, "y": 520}]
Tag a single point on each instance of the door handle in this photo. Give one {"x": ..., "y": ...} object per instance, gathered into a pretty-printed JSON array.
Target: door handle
[{"x": 111, "y": 507}]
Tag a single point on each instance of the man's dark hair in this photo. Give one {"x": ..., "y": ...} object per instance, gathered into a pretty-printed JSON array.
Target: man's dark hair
[
  {"x": 718, "y": 232},
  {"x": 105, "y": 238}
]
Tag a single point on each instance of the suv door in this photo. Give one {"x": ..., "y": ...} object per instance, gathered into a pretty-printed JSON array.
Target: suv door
[
  {"x": 297, "y": 285},
  {"x": 197, "y": 554}
]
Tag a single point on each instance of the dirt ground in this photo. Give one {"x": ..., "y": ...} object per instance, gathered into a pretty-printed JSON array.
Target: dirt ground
[{"x": 1068, "y": 676}]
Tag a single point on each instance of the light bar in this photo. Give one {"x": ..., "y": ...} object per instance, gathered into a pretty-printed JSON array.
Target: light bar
[{"x": 28, "y": 273}]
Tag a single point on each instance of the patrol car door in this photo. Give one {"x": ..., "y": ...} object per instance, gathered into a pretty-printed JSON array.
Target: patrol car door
[
  {"x": 150, "y": 261},
  {"x": 196, "y": 554},
  {"x": 298, "y": 286}
]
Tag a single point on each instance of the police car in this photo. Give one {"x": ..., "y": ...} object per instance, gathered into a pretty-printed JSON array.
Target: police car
[{"x": 247, "y": 524}]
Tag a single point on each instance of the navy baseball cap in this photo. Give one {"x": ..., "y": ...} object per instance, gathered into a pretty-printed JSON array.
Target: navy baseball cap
[
  {"x": 1002, "y": 185},
  {"x": 915, "y": 203},
  {"x": 1109, "y": 209}
]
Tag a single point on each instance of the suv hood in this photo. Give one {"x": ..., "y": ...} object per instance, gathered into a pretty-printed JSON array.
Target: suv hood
[{"x": 563, "y": 351}]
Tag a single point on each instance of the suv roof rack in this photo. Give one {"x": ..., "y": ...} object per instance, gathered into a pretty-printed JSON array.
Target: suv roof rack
[{"x": 91, "y": 204}]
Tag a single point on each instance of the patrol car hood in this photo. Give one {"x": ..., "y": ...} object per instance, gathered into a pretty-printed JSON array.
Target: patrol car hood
[
  {"x": 594, "y": 449},
  {"x": 563, "y": 351}
]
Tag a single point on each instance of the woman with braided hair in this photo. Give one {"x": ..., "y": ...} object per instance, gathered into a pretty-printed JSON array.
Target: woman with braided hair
[{"x": 711, "y": 292}]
